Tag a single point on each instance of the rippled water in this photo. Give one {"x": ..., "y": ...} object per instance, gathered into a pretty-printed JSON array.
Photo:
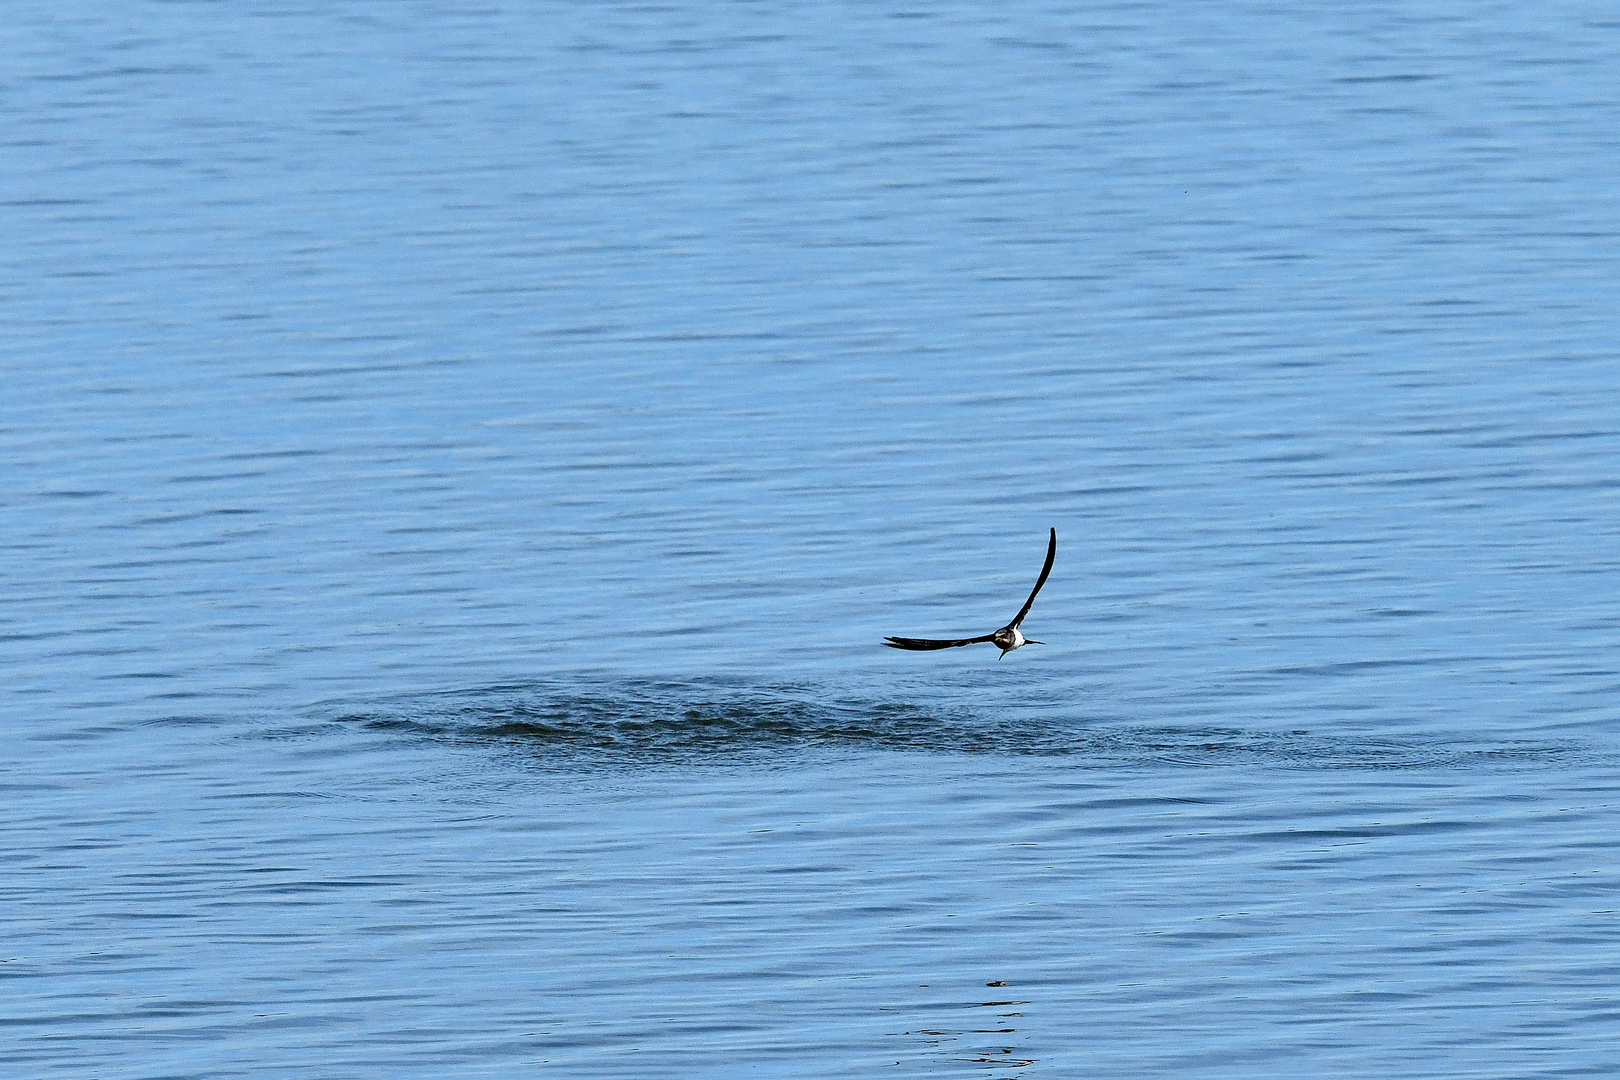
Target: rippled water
[{"x": 463, "y": 461}]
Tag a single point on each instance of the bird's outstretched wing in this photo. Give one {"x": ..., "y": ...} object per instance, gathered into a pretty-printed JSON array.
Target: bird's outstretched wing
[
  {"x": 1051, "y": 554},
  {"x": 924, "y": 645}
]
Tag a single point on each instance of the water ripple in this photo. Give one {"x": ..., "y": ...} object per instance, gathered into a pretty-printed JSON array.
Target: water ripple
[{"x": 645, "y": 722}]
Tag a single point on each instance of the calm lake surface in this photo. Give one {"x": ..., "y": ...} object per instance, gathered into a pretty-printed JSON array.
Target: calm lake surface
[{"x": 461, "y": 462}]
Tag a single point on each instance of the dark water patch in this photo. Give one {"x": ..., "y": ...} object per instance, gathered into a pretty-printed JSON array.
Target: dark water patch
[
  {"x": 635, "y": 723},
  {"x": 661, "y": 722}
]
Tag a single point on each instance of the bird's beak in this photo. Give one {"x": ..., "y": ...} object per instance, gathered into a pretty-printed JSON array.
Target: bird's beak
[{"x": 1031, "y": 641}]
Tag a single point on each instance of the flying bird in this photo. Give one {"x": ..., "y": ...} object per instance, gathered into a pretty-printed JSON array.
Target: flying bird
[{"x": 1006, "y": 639}]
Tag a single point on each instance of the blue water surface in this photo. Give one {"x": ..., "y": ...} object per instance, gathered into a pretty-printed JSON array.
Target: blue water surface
[{"x": 462, "y": 460}]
